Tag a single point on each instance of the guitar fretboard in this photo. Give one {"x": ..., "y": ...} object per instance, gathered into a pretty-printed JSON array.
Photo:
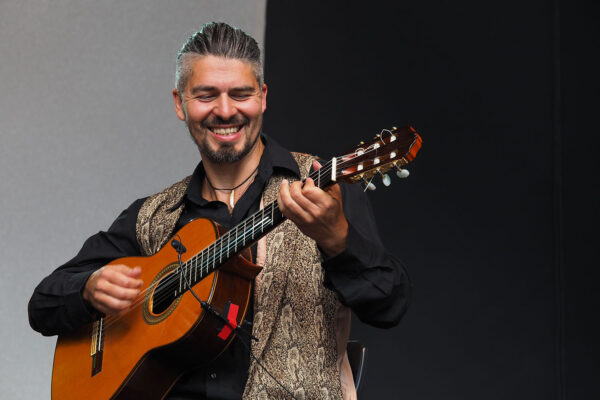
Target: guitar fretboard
[{"x": 238, "y": 238}]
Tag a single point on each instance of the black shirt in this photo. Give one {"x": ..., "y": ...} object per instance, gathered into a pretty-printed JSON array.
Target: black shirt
[{"x": 366, "y": 277}]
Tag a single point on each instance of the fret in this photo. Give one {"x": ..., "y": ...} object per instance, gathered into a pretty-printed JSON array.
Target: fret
[
  {"x": 185, "y": 269},
  {"x": 180, "y": 279},
  {"x": 236, "y": 238},
  {"x": 208, "y": 259},
  {"x": 244, "y": 236},
  {"x": 221, "y": 251},
  {"x": 228, "y": 243},
  {"x": 189, "y": 273},
  {"x": 214, "y": 258},
  {"x": 196, "y": 269},
  {"x": 202, "y": 264}
]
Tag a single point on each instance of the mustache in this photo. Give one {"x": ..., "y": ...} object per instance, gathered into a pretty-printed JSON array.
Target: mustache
[{"x": 215, "y": 121}]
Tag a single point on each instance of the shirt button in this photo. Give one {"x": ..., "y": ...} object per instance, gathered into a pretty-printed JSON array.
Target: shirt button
[{"x": 213, "y": 375}]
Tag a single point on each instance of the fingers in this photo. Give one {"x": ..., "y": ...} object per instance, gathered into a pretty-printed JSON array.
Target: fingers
[
  {"x": 301, "y": 201},
  {"x": 113, "y": 288},
  {"x": 302, "y": 204},
  {"x": 123, "y": 275},
  {"x": 317, "y": 214}
]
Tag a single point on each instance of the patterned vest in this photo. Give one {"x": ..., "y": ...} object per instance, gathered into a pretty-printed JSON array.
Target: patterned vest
[{"x": 293, "y": 311}]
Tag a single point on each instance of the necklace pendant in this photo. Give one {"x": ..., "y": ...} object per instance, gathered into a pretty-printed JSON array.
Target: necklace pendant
[{"x": 231, "y": 198}]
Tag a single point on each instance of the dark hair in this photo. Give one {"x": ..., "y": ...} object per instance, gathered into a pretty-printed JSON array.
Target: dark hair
[{"x": 217, "y": 39}]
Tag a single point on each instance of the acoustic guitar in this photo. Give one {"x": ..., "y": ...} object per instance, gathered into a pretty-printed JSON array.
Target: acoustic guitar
[{"x": 140, "y": 353}]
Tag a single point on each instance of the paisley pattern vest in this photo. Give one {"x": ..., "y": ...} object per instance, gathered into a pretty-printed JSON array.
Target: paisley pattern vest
[{"x": 293, "y": 311}]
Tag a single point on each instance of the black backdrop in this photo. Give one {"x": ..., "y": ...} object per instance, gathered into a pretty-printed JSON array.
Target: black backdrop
[{"x": 494, "y": 222}]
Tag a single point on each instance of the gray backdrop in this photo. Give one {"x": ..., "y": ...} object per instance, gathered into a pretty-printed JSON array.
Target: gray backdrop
[{"x": 85, "y": 95}]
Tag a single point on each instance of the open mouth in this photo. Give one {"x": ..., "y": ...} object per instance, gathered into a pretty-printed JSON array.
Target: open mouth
[
  {"x": 226, "y": 134},
  {"x": 226, "y": 131}
]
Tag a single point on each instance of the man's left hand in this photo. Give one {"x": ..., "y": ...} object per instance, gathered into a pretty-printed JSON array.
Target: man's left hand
[{"x": 317, "y": 213}]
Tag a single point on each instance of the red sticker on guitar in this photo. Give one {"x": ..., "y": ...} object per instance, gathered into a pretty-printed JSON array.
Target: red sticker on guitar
[{"x": 231, "y": 317}]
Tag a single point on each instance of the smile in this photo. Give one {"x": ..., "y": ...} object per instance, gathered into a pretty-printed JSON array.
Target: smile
[
  {"x": 227, "y": 134},
  {"x": 226, "y": 131}
]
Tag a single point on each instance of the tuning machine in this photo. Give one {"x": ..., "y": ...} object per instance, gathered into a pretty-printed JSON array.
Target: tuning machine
[
  {"x": 385, "y": 179},
  {"x": 369, "y": 185},
  {"x": 401, "y": 173}
]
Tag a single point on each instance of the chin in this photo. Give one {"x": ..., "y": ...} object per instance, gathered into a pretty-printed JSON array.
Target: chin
[{"x": 225, "y": 154}]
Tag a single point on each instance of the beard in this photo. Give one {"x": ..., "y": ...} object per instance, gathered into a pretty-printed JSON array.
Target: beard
[{"x": 227, "y": 153}]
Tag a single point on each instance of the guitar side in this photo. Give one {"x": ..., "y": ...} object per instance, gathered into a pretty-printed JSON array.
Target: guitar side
[{"x": 142, "y": 354}]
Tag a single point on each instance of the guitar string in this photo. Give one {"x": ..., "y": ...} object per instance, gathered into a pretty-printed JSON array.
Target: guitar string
[
  {"x": 192, "y": 262},
  {"x": 207, "y": 264},
  {"x": 175, "y": 275},
  {"x": 210, "y": 259},
  {"x": 208, "y": 256}
]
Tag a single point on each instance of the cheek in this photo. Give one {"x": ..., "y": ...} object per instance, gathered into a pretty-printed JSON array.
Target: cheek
[
  {"x": 254, "y": 111},
  {"x": 197, "y": 113}
]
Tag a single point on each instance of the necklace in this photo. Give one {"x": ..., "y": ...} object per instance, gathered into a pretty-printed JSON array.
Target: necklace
[{"x": 232, "y": 190}]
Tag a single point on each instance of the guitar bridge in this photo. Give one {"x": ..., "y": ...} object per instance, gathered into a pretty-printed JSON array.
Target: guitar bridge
[{"x": 97, "y": 345}]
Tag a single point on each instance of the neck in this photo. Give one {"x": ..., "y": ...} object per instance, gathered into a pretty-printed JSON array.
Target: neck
[{"x": 230, "y": 175}]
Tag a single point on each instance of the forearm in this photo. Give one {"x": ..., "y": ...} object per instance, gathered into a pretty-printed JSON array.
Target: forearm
[
  {"x": 369, "y": 280},
  {"x": 57, "y": 306}
]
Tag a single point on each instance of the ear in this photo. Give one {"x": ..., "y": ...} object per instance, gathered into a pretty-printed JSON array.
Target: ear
[
  {"x": 178, "y": 105},
  {"x": 264, "y": 97}
]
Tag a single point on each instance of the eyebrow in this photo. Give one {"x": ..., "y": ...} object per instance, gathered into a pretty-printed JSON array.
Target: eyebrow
[{"x": 206, "y": 88}]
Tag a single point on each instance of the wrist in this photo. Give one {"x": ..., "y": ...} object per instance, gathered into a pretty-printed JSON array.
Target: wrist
[{"x": 336, "y": 243}]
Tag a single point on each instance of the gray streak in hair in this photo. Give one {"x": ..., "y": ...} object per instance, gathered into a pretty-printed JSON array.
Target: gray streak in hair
[{"x": 217, "y": 39}]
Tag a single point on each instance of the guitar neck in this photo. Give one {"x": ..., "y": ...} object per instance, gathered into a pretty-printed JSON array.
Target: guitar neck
[{"x": 243, "y": 235}]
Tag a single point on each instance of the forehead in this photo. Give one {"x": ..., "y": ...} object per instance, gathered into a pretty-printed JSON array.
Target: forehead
[{"x": 220, "y": 72}]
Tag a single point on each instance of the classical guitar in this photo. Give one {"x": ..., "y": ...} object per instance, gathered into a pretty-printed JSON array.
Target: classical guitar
[{"x": 140, "y": 353}]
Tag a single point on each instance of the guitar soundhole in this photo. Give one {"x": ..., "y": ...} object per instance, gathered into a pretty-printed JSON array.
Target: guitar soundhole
[
  {"x": 164, "y": 294},
  {"x": 160, "y": 302}
]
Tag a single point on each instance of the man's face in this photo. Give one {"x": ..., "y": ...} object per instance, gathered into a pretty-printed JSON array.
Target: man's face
[{"x": 222, "y": 107}]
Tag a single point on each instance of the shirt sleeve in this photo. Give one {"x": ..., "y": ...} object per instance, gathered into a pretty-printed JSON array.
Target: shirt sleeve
[
  {"x": 368, "y": 279},
  {"x": 57, "y": 306}
]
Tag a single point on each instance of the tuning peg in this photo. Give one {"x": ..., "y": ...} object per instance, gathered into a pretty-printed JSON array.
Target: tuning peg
[
  {"x": 385, "y": 178},
  {"x": 402, "y": 173},
  {"x": 369, "y": 185}
]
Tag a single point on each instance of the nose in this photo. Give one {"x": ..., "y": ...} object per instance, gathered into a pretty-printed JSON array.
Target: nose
[{"x": 224, "y": 107}]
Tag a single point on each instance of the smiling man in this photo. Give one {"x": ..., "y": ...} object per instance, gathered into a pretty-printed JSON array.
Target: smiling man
[{"x": 326, "y": 259}]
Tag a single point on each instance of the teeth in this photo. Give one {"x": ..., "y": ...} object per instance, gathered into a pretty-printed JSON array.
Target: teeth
[{"x": 225, "y": 131}]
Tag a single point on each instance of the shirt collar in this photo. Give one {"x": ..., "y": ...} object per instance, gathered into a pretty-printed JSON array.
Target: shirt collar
[{"x": 274, "y": 158}]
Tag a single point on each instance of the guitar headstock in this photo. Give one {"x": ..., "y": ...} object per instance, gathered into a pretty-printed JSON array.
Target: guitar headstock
[{"x": 391, "y": 149}]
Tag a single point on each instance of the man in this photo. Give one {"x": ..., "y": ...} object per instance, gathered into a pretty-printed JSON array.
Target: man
[{"x": 328, "y": 258}]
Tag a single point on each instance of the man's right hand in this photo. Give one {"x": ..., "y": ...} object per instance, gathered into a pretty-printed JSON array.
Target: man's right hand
[{"x": 113, "y": 288}]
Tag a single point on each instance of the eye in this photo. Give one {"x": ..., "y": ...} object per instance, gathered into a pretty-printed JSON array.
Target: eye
[
  {"x": 240, "y": 96},
  {"x": 205, "y": 97}
]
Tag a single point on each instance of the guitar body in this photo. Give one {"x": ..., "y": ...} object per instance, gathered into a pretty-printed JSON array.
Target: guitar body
[
  {"x": 141, "y": 353},
  {"x": 144, "y": 352}
]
